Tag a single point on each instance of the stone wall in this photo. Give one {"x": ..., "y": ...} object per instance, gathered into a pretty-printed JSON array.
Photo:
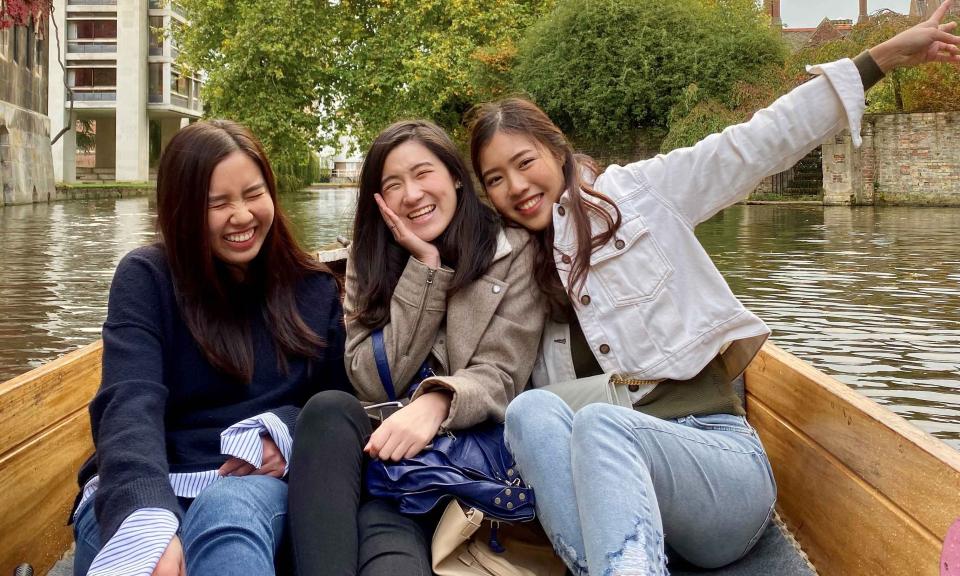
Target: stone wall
[
  {"x": 909, "y": 159},
  {"x": 26, "y": 158}
]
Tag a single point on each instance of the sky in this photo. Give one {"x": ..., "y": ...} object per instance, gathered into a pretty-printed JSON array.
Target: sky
[{"x": 809, "y": 13}]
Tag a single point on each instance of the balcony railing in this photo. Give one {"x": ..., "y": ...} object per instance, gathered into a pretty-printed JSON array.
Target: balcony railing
[
  {"x": 178, "y": 100},
  {"x": 155, "y": 98},
  {"x": 91, "y": 47},
  {"x": 91, "y": 2},
  {"x": 94, "y": 94}
]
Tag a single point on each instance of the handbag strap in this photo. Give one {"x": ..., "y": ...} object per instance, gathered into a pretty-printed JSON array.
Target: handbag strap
[{"x": 383, "y": 366}]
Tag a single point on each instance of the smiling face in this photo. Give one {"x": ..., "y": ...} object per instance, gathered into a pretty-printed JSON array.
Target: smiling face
[
  {"x": 417, "y": 186},
  {"x": 239, "y": 211},
  {"x": 522, "y": 178}
]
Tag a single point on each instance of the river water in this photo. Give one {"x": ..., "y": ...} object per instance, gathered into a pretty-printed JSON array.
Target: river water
[{"x": 871, "y": 296}]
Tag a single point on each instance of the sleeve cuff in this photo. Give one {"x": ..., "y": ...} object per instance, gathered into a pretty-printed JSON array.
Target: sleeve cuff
[
  {"x": 844, "y": 77},
  {"x": 870, "y": 72},
  {"x": 242, "y": 440},
  {"x": 137, "y": 545}
]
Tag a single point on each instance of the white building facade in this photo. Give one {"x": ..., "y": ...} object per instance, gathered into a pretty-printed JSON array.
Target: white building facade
[{"x": 121, "y": 73}]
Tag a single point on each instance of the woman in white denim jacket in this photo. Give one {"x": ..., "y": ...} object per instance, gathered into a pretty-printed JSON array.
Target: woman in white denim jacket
[{"x": 633, "y": 292}]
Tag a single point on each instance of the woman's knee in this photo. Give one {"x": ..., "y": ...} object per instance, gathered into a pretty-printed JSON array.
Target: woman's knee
[
  {"x": 536, "y": 412},
  {"x": 239, "y": 500},
  {"x": 328, "y": 406},
  {"x": 599, "y": 424}
]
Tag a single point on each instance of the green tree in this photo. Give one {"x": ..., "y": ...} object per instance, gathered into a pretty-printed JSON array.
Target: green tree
[
  {"x": 608, "y": 67},
  {"x": 422, "y": 58},
  {"x": 267, "y": 64},
  {"x": 928, "y": 88}
]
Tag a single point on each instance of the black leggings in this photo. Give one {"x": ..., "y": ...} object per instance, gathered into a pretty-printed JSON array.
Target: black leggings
[{"x": 334, "y": 529}]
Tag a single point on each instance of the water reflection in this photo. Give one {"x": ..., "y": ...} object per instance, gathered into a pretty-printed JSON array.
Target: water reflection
[
  {"x": 867, "y": 295},
  {"x": 871, "y": 296}
]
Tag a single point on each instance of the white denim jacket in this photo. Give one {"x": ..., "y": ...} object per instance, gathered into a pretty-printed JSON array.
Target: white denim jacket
[{"x": 654, "y": 306}]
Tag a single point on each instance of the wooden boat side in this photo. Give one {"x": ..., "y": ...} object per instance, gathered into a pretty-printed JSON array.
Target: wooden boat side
[
  {"x": 44, "y": 438},
  {"x": 862, "y": 490}
]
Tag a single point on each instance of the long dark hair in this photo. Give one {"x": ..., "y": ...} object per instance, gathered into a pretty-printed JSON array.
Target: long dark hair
[
  {"x": 214, "y": 304},
  {"x": 519, "y": 116},
  {"x": 468, "y": 244}
]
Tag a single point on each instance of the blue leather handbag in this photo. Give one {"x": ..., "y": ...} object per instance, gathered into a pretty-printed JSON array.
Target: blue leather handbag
[{"x": 472, "y": 465}]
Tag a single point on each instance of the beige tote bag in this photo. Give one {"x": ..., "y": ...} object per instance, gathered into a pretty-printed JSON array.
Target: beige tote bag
[{"x": 460, "y": 547}]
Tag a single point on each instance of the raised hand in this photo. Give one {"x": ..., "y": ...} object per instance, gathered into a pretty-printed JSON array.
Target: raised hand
[
  {"x": 928, "y": 41},
  {"x": 419, "y": 249}
]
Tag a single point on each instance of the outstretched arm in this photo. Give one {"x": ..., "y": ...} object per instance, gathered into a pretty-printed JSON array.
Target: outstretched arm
[
  {"x": 928, "y": 41},
  {"x": 723, "y": 168}
]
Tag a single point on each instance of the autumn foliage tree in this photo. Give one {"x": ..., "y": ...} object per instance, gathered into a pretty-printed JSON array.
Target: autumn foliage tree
[
  {"x": 928, "y": 88},
  {"x": 19, "y": 12}
]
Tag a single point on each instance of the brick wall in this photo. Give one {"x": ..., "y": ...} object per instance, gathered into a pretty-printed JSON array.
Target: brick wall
[{"x": 905, "y": 159}]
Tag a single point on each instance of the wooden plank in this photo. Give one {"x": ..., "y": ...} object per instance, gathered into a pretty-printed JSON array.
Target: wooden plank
[
  {"x": 46, "y": 395},
  {"x": 917, "y": 472},
  {"x": 38, "y": 482},
  {"x": 846, "y": 527}
]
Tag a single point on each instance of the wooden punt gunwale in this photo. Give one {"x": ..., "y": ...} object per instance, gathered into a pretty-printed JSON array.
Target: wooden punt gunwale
[{"x": 862, "y": 490}]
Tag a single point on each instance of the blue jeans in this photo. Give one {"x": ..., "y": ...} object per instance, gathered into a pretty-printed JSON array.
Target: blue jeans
[
  {"x": 613, "y": 485},
  {"x": 233, "y": 527}
]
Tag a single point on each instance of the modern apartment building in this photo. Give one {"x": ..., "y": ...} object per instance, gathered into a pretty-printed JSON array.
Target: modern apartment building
[
  {"x": 120, "y": 59},
  {"x": 26, "y": 170}
]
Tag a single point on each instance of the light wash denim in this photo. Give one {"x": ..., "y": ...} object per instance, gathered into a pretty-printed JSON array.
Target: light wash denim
[
  {"x": 233, "y": 527},
  {"x": 613, "y": 484}
]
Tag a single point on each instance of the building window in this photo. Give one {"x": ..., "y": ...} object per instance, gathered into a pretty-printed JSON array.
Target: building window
[
  {"x": 31, "y": 39},
  {"x": 92, "y": 30},
  {"x": 92, "y": 77},
  {"x": 15, "y": 30},
  {"x": 156, "y": 35},
  {"x": 155, "y": 73}
]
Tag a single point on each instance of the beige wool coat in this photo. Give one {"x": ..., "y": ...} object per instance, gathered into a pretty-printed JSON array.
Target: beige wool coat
[{"x": 484, "y": 338}]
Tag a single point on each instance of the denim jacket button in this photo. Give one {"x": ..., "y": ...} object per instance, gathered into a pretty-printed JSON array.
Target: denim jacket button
[
  {"x": 619, "y": 244},
  {"x": 496, "y": 289},
  {"x": 585, "y": 300},
  {"x": 604, "y": 349},
  {"x": 561, "y": 211},
  {"x": 565, "y": 259},
  {"x": 634, "y": 387}
]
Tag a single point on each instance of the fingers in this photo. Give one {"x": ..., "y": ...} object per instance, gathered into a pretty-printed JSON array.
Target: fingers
[
  {"x": 389, "y": 216},
  {"x": 946, "y": 37},
  {"x": 941, "y": 11},
  {"x": 236, "y": 467},
  {"x": 948, "y": 26}
]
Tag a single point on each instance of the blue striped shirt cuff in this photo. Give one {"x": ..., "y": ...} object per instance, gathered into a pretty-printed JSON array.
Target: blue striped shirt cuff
[
  {"x": 242, "y": 440},
  {"x": 137, "y": 545}
]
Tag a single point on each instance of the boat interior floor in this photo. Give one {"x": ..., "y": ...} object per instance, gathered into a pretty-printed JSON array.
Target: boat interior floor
[{"x": 774, "y": 554}]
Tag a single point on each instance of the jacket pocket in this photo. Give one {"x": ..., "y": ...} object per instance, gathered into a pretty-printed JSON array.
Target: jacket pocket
[{"x": 631, "y": 267}]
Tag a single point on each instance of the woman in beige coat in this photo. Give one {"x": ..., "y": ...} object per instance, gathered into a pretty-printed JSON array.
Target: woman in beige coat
[{"x": 452, "y": 294}]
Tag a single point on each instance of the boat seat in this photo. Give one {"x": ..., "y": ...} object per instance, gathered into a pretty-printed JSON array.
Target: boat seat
[{"x": 775, "y": 553}]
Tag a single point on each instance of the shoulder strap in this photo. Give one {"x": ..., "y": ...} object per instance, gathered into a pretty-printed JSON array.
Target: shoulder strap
[{"x": 383, "y": 366}]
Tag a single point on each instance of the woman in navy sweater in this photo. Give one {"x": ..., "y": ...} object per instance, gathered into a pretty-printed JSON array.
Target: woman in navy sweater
[{"x": 214, "y": 339}]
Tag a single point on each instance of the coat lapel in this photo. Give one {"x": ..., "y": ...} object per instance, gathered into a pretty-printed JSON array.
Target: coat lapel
[{"x": 472, "y": 308}]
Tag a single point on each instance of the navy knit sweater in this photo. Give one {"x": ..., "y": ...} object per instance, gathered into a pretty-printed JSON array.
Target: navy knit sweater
[{"x": 161, "y": 405}]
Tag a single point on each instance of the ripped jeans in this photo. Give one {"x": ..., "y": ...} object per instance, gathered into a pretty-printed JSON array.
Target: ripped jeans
[{"x": 614, "y": 485}]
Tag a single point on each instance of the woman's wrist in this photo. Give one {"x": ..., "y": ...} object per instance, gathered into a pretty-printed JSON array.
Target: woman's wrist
[{"x": 885, "y": 56}]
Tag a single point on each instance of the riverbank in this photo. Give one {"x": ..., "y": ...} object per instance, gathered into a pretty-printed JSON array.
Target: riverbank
[{"x": 101, "y": 190}]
